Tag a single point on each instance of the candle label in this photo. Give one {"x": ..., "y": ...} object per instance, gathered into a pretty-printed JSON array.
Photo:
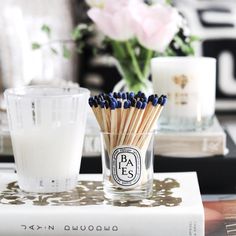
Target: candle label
[{"x": 126, "y": 166}]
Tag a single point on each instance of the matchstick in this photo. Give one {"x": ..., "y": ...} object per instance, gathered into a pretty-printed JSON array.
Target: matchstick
[{"x": 113, "y": 124}]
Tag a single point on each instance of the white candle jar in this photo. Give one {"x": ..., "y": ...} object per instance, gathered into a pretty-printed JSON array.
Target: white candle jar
[
  {"x": 47, "y": 126},
  {"x": 189, "y": 83}
]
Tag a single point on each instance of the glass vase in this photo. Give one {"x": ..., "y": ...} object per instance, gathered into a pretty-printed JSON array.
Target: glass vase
[{"x": 131, "y": 79}]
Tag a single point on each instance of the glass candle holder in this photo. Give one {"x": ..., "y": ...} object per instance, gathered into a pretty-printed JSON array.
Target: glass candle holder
[
  {"x": 190, "y": 84},
  {"x": 47, "y": 127},
  {"x": 127, "y": 161}
]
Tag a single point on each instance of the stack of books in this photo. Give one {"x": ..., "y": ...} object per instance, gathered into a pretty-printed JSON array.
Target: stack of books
[
  {"x": 174, "y": 209},
  {"x": 209, "y": 142}
]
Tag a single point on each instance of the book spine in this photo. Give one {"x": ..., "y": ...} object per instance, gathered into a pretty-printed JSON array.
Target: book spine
[
  {"x": 200, "y": 146},
  {"x": 77, "y": 222}
]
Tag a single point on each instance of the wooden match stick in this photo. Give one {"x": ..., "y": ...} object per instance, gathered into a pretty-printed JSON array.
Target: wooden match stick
[
  {"x": 127, "y": 123},
  {"x": 123, "y": 120}
]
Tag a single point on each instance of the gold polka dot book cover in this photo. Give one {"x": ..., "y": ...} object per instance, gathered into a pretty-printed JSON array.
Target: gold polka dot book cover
[{"x": 175, "y": 209}]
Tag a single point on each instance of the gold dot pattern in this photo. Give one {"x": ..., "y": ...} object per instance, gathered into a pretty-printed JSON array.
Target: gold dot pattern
[{"x": 90, "y": 193}]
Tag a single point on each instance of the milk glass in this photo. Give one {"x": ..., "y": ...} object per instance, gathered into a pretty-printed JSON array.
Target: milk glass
[
  {"x": 47, "y": 126},
  {"x": 190, "y": 84}
]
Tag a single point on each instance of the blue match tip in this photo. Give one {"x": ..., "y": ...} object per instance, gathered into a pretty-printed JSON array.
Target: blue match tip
[
  {"x": 133, "y": 102},
  {"x": 102, "y": 104},
  {"x": 164, "y": 100},
  {"x": 150, "y": 98},
  {"x": 96, "y": 97},
  {"x": 106, "y": 104},
  {"x": 139, "y": 93},
  {"x": 119, "y": 95},
  {"x": 126, "y": 105},
  {"x": 115, "y": 94},
  {"x": 154, "y": 102},
  {"x": 114, "y": 101},
  {"x": 95, "y": 103},
  {"x": 144, "y": 104},
  {"x": 144, "y": 99},
  {"x": 131, "y": 95},
  {"x": 160, "y": 100},
  {"x": 123, "y": 96},
  {"x": 90, "y": 103},
  {"x": 138, "y": 104},
  {"x": 142, "y": 95},
  {"x": 113, "y": 105},
  {"x": 119, "y": 104},
  {"x": 100, "y": 97}
]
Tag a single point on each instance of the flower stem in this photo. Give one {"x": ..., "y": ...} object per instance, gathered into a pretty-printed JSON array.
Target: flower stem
[
  {"x": 147, "y": 63},
  {"x": 134, "y": 62},
  {"x": 118, "y": 49}
]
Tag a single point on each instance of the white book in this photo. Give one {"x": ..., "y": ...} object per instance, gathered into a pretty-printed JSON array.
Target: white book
[
  {"x": 174, "y": 210},
  {"x": 208, "y": 142}
]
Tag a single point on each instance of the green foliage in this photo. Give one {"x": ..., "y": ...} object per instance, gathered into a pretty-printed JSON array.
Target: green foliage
[
  {"x": 79, "y": 31},
  {"x": 79, "y": 47},
  {"x": 185, "y": 46},
  {"x": 46, "y": 29},
  {"x": 169, "y": 2},
  {"x": 187, "y": 49},
  {"x": 66, "y": 52},
  {"x": 77, "y": 37},
  {"x": 35, "y": 45},
  {"x": 54, "y": 51},
  {"x": 194, "y": 38}
]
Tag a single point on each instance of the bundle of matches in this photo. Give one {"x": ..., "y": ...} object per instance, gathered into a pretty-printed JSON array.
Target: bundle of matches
[{"x": 125, "y": 118}]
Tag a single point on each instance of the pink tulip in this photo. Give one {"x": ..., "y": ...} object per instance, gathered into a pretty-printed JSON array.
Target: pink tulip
[
  {"x": 114, "y": 19},
  {"x": 156, "y": 25}
]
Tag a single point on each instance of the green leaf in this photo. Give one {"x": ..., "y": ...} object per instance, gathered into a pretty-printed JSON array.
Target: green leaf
[
  {"x": 80, "y": 47},
  {"x": 170, "y": 52},
  {"x": 188, "y": 51},
  {"x": 54, "y": 50},
  {"x": 76, "y": 34},
  {"x": 66, "y": 52},
  {"x": 79, "y": 31},
  {"x": 46, "y": 29},
  {"x": 194, "y": 38},
  {"x": 169, "y": 2},
  {"x": 35, "y": 46}
]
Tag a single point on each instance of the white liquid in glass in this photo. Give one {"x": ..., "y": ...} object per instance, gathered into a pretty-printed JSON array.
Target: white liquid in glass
[{"x": 47, "y": 156}]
